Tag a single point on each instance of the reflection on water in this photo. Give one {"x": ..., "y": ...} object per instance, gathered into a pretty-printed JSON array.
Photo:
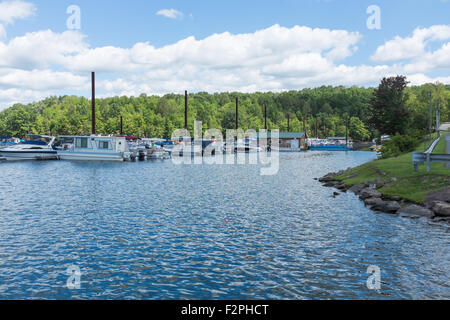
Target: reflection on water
[{"x": 154, "y": 230}]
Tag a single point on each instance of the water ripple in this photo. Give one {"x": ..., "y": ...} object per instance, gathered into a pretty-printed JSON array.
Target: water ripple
[{"x": 154, "y": 230}]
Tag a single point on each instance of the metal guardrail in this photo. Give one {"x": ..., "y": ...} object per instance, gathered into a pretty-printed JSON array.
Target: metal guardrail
[{"x": 428, "y": 156}]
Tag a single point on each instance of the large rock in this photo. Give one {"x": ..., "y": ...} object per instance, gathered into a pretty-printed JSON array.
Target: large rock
[
  {"x": 442, "y": 219},
  {"x": 328, "y": 177},
  {"x": 387, "y": 206},
  {"x": 357, "y": 188},
  {"x": 341, "y": 186},
  {"x": 414, "y": 210},
  {"x": 442, "y": 209},
  {"x": 331, "y": 184},
  {"x": 373, "y": 202},
  {"x": 369, "y": 193},
  {"x": 435, "y": 196}
]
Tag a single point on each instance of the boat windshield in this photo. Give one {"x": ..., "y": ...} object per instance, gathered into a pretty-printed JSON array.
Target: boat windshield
[{"x": 37, "y": 140}]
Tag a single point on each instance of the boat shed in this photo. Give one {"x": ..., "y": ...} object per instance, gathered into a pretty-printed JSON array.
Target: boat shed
[{"x": 288, "y": 140}]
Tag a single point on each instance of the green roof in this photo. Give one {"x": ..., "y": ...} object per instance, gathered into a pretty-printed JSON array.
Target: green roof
[{"x": 282, "y": 135}]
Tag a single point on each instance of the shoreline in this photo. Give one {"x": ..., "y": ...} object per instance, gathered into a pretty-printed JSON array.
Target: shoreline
[{"x": 435, "y": 207}]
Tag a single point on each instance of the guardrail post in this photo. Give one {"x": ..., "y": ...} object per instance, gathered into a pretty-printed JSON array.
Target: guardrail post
[{"x": 428, "y": 162}]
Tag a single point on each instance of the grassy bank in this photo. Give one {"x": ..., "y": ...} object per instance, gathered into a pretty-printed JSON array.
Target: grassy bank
[
  {"x": 410, "y": 185},
  {"x": 440, "y": 148}
]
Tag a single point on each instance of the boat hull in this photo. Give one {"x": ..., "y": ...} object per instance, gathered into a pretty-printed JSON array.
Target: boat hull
[
  {"x": 330, "y": 148},
  {"x": 28, "y": 155},
  {"x": 88, "y": 156}
]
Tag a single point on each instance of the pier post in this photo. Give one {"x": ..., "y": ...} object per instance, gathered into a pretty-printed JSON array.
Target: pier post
[
  {"x": 185, "y": 110},
  {"x": 93, "y": 101}
]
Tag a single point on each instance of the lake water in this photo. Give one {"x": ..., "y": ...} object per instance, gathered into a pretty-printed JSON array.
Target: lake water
[{"x": 156, "y": 230}]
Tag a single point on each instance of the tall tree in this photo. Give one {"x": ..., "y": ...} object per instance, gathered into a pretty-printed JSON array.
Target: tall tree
[{"x": 388, "y": 113}]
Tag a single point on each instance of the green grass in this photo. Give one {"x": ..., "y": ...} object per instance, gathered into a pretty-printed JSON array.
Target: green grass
[
  {"x": 441, "y": 147},
  {"x": 410, "y": 185}
]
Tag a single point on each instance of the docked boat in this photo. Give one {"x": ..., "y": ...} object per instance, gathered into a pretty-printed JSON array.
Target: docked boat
[
  {"x": 158, "y": 153},
  {"x": 8, "y": 142},
  {"x": 37, "y": 147},
  {"x": 197, "y": 148},
  {"x": 95, "y": 148},
  {"x": 330, "y": 144},
  {"x": 166, "y": 144},
  {"x": 243, "y": 146}
]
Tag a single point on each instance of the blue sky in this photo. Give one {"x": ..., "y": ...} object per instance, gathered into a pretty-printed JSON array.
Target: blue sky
[{"x": 110, "y": 31}]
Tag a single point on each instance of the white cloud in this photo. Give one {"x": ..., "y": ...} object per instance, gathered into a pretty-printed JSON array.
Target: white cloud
[
  {"x": 13, "y": 10},
  {"x": 2, "y": 32},
  {"x": 42, "y": 80},
  {"x": 170, "y": 13},
  {"x": 277, "y": 58},
  {"x": 41, "y": 49},
  {"x": 12, "y": 96},
  {"x": 411, "y": 47}
]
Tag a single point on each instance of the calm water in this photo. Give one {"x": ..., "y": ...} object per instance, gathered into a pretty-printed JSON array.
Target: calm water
[{"x": 155, "y": 230}]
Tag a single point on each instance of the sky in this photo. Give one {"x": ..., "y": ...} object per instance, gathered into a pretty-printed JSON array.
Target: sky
[{"x": 49, "y": 47}]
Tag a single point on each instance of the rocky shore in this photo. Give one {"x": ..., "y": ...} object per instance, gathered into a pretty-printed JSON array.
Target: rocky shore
[{"x": 436, "y": 206}]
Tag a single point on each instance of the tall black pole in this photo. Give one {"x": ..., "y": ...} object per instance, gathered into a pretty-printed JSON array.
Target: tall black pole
[
  {"x": 185, "y": 109},
  {"x": 121, "y": 125},
  {"x": 93, "y": 102},
  {"x": 237, "y": 113}
]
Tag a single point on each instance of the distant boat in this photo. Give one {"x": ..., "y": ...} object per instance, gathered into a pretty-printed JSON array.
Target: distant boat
[
  {"x": 196, "y": 148},
  {"x": 37, "y": 147},
  {"x": 158, "y": 153},
  {"x": 7, "y": 142},
  {"x": 330, "y": 144},
  {"x": 243, "y": 146},
  {"x": 330, "y": 147},
  {"x": 95, "y": 148}
]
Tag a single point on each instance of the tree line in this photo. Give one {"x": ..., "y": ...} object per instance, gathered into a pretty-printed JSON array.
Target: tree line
[{"x": 324, "y": 112}]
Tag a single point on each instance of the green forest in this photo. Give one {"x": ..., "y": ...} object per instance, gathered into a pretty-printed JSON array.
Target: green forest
[{"x": 324, "y": 111}]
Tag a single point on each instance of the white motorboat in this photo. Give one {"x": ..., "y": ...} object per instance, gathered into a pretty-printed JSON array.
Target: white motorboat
[
  {"x": 197, "y": 148},
  {"x": 245, "y": 146},
  {"x": 8, "y": 142},
  {"x": 157, "y": 153},
  {"x": 96, "y": 148},
  {"x": 37, "y": 147}
]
